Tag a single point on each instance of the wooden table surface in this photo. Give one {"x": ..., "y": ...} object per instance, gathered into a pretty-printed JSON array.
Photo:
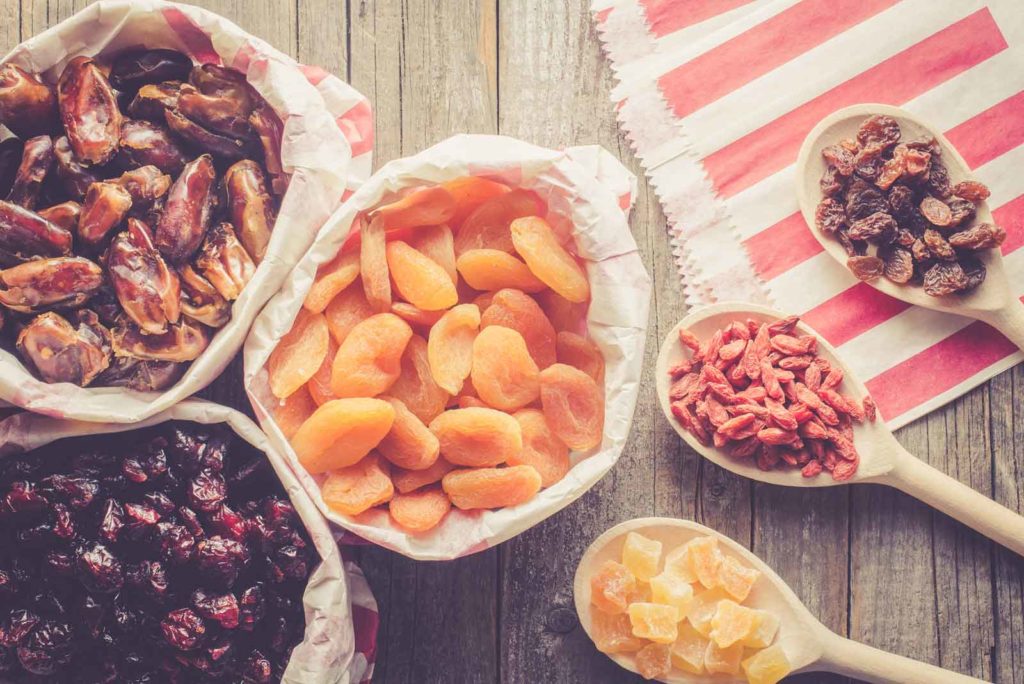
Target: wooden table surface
[{"x": 870, "y": 562}]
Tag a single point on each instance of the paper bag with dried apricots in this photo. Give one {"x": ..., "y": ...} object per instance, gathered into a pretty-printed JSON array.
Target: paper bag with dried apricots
[{"x": 587, "y": 194}]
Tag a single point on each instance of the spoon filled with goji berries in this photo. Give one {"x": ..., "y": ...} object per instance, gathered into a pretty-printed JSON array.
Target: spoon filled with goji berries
[
  {"x": 888, "y": 196},
  {"x": 761, "y": 394}
]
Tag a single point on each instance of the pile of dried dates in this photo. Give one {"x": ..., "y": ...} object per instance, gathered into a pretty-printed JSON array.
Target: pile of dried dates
[
  {"x": 167, "y": 555},
  {"x": 140, "y": 196},
  {"x": 895, "y": 211}
]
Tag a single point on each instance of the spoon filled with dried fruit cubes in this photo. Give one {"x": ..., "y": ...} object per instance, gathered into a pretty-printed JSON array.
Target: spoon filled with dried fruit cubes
[
  {"x": 761, "y": 394},
  {"x": 678, "y": 602},
  {"x": 891, "y": 198}
]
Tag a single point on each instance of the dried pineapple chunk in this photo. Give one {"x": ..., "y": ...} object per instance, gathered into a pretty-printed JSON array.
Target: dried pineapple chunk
[
  {"x": 764, "y": 634},
  {"x": 677, "y": 563},
  {"x": 736, "y": 578},
  {"x": 688, "y": 649},
  {"x": 768, "y": 666},
  {"x": 672, "y": 591},
  {"x": 732, "y": 623},
  {"x": 612, "y": 587},
  {"x": 653, "y": 661},
  {"x": 723, "y": 660},
  {"x": 704, "y": 607},
  {"x": 613, "y": 633},
  {"x": 641, "y": 555},
  {"x": 705, "y": 557},
  {"x": 654, "y": 621}
]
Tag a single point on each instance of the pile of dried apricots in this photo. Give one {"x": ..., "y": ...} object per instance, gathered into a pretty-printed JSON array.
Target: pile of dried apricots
[{"x": 437, "y": 358}]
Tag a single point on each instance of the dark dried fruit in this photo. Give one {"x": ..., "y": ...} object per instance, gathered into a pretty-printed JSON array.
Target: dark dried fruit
[
  {"x": 938, "y": 180},
  {"x": 221, "y": 608},
  {"x": 878, "y": 227},
  {"x": 831, "y": 182},
  {"x": 104, "y": 207},
  {"x": 25, "y": 235},
  {"x": 899, "y": 265},
  {"x": 866, "y": 267},
  {"x": 49, "y": 283},
  {"x": 99, "y": 570},
  {"x": 937, "y": 245},
  {"x": 972, "y": 191},
  {"x": 47, "y": 648},
  {"x": 220, "y": 560},
  {"x": 89, "y": 111},
  {"x": 135, "y": 68},
  {"x": 207, "y": 491},
  {"x": 183, "y": 629},
  {"x": 980, "y": 236},
  {"x": 829, "y": 216},
  {"x": 144, "y": 143},
  {"x": 878, "y": 131},
  {"x": 863, "y": 199},
  {"x": 945, "y": 278},
  {"x": 27, "y": 105},
  {"x": 36, "y": 161},
  {"x": 186, "y": 215},
  {"x": 149, "y": 291},
  {"x": 840, "y": 158},
  {"x": 961, "y": 210}
]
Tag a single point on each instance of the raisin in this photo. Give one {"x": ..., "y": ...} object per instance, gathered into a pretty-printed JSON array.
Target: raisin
[
  {"x": 936, "y": 211},
  {"x": 938, "y": 180},
  {"x": 878, "y": 131},
  {"x": 981, "y": 236},
  {"x": 864, "y": 199},
  {"x": 840, "y": 158},
  {"x": 829, "y": 216},
  {"x": 899, "y": 264},
  {"x": 945, "y": 278},
  {"x": 937, "y": 245},
  {"x": 972, "y": 191},
  {"x": 878, "y": 227},
  {"x": 869, "y": 169},
  {"x": 866, "y": 267},
  {"x": 831, "y": 182},
  {"x": 974, "y": 270},
  {"x": 961, "y": 210}
]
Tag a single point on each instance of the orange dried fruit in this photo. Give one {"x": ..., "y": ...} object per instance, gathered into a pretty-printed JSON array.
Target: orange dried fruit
[
  {"x": 450, "y": 346},
  {"x": 704, "y": 607},
  {"x": 612, "y": 587},
  {"x": 345, "y": 310},
  {"x": 613, "y": 633},
  {"x": 764, "y": 634},
  {"x": 477, "y": 436},
  {"x": 420, "y": 279},
  {"x": 298, "y": 354},
  {"x": 769, "y": 666},
  {"x": 677, "y": 562},
  {"x": 437, "y": 243},
  {"x": 491, "y": 487},
  {"x": 641, "y": 555},
  {"x": 732, "y": 623},
  {"x": 653, "y": 661},
  {"x": 370, "y": 359},
  {"x": 409, "y": 444},
  {"x": 415, "y": 385},
  {"x": 503, "y": 373},
  {"x": 319, "y": 385},
  {"x": 469, "y": 192},
  {"x": 689, "y": 649},
  {"x": 359, "y": 487},
  {"x": 705, "y": 558},
  {"x": 483, "y": 301},
  {"x": 373, "y": 266},
  {"x": 423, "y": 207},
  {"x": 469, "y": 401},
  {"x": 654, "y": 621},
  {"x": 487, "y": 227},
  {"x": 670, "y": 590},
  {"x": 410, "y": 480},
  {"x": 421, "y": 510},
  {"x": 292, "y": 412},
  {"x": 722, "y": 660},
  {"x": 579, "y": 352},
  {"x": 332, "y": 278},
  {"x": 573, "y": 405},
  {"x": 341, "y": 432},
  {"x": 491, "y": 269},
  {"x": 517, "y": 310},
  {"x": 736, "y": 578},
  {"x": 537, "y": 244},
  {"x": 563, "y": 314},
  {"x": 415, "y": 316},
  {"x": 541, "y": 448}
]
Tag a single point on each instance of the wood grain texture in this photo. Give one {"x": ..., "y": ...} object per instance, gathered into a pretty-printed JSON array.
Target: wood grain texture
[{"x": 868, "y": 561}]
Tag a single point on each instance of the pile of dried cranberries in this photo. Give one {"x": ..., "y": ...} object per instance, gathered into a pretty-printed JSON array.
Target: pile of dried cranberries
[{"x": 168, "y": 555}]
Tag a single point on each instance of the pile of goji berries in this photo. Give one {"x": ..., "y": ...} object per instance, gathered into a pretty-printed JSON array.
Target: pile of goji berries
[{"x": 761, "y": 392}]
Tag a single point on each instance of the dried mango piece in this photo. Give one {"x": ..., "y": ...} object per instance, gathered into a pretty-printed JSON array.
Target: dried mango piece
[
  {"x": 736, "y": 578},
  {"x": 332, "y": 278},
  {"x": 415, "y": 385},
  {"x": 421, "y": 510},
  {"x": 653, "y": 661},
  {"x": 438, "y": 244},
  {"x": 450, "y": 347},
  {"x": 298, "y": 354},
  {"x": 369, "y": 361},
  {"x": 409, "y": 444},
  {"x": 410, "y": 480},
  {"x": 677, "y": 562},
  {"x": 358, "y": 488},
  {"x": 341, "y": 432},
  {"x": 487, "y": 227},
  {"x": 541, "y": 447},
  {"x": 579, "y": 352},
  {"x": 319, "y": 385},
  {"x": 723, "y": 660},
  {"x": 491, "y": 487},
  {"x": 424, "y": 207},
  {"x": 705, "y": 558},
  {"x": 292, "y": 412},
  {"x": 641, "y": 555},
  {"x": 704, "y": 607},
  {"x": 469, "y": 192},
  {"x": 769, "y": 666},
  {"x": 732, "y": 623},
  {"x": 563, "y": 314},
  {"x": 517, "y": 310},
  {"x": 536, "y": 243},
  {"x": 477, "y": 436},
  {"x": 688, "y": 649},
  {"x": 420, "y": 279},
  {"x": 345, "y": 310},
  {"x": 612, "y": 587},
  {"x": 573, "y": 405},
  {"x": 492, "y": 269},
  {"x": 415, "y": 316},
  {"x": 503, "y": 372},
  {"x": 654, "y": 621},
  {"x": 613, "y": 633},
  {"x": 767, "y": 627},
  {"x": 373, "y": 266},
  {"x": 668, "y": 589}
]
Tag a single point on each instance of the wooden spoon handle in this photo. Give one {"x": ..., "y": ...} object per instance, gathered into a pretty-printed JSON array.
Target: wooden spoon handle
[
  {"x": 1009, "y": 321},
  {"x": 952, "y": 497},
  {"x": 861, "y": 661}
]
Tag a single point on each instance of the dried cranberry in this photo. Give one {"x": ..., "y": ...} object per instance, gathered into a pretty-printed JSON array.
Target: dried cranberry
[
  {"x": 22, "y": 497},
  {"x": 207, "y": 490},
  {"x": 183, "y": 629},
  {"x": 63, "y": 525},
  {"x": 148, "y": 577},
  {"x": 190, "y": 520},
  {"x": 79, "y": 492},
  {"x": 226, "y": 522},
  {"x": 289, "y": 563},
  {"x": 160, "y": 502},
  {"x": 132, "y": 469},
  {"x": 257, "y": 669},
  {"x": 60, "y": 563},
  {"x": 111, "y": 521},
  {"x": 221, "y": 560},
  {"x": 175, "y": 542},
  {"x": 37, "y": 536},
  {"x": 222, "y": 608},
  {"x": 47, "y": 648},
  {"x": 99, "y": 569},
  {"x": 90, "y": 613},
  {"x": 252, "y": 606},
  {"x": 186, "y": 449},
  {"x": 8, "y": 585},
  {"x": 17, "y": 626}
]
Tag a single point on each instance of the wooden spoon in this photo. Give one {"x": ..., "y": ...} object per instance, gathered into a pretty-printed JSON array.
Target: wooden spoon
[
  {"x": 883, "y": 459},
  {"x": 809, "y": 645},
  {"x": 993, "y": 301}
]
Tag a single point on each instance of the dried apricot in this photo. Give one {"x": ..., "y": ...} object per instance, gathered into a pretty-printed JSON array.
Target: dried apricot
[
  {"x": 579, "y": 352},
  {"x": 345, "y": 310},
  {"x": 410, "y": 480},
  {"x": 477, "y": 436},
  {"x": 409, "y": 444},
  {"x": 503, "y": 373},
  {"x": 487, "y": 227},
  {"x": 614, "y": 633},
  {"x": 359, "y": 487},
  {"x": 492, "y": 269},
  {"x": 373, "y": 266},
  {"x": 654, "y": 621},
  {"x": 469, "y": 401},
  {"x": 415, "y": 316},
  {"x": 483, "y": 301},
  {"x": 341, "y": 432},
  {"x": 573, "y": 406},
  {"x": 641, "y": 555},
  {"x": 491, "y": 487},
  {"x": 563, "y": 314},
  {"x": 424, "y": 207},
  {"x": 450, "y": 346},
  {"x": 292, "y": 412},
  {"x": 536, "y": 243},
  {"x": 469, "y": 192},
  {"x": 437, "y": 243},
  {"x": 298, "y": 354},
  {"x": 420, "y": 279},
  {"x": 688, "y": 649},
  {"x": 723, "y": 660},
  {"x": 767, "y": 667},
  {"x": 319, "y": 385},
  {"x": 415, "y": 386},
  {"x": 421, "y": 510},
  {"x": 541, "y": 448},
  {"x": 612, "y": 587},
  {"x": 516, "y": 310},
  {"x": 332, "y": 278},
  {"x": 370, "y": 359},
  {"x": 653, "y": 661}
]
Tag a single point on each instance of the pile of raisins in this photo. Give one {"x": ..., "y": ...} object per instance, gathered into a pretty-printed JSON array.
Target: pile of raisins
[
  {"x": 897, "y": 215},
  {"x": 165, "y": 555}
]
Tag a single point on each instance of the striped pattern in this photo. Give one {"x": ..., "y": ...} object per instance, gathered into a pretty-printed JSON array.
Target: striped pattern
[{"x": 742, "y": 93}]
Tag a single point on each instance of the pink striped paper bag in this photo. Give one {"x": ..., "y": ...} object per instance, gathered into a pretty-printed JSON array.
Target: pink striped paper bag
[{"x": 718, "y": 118}]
